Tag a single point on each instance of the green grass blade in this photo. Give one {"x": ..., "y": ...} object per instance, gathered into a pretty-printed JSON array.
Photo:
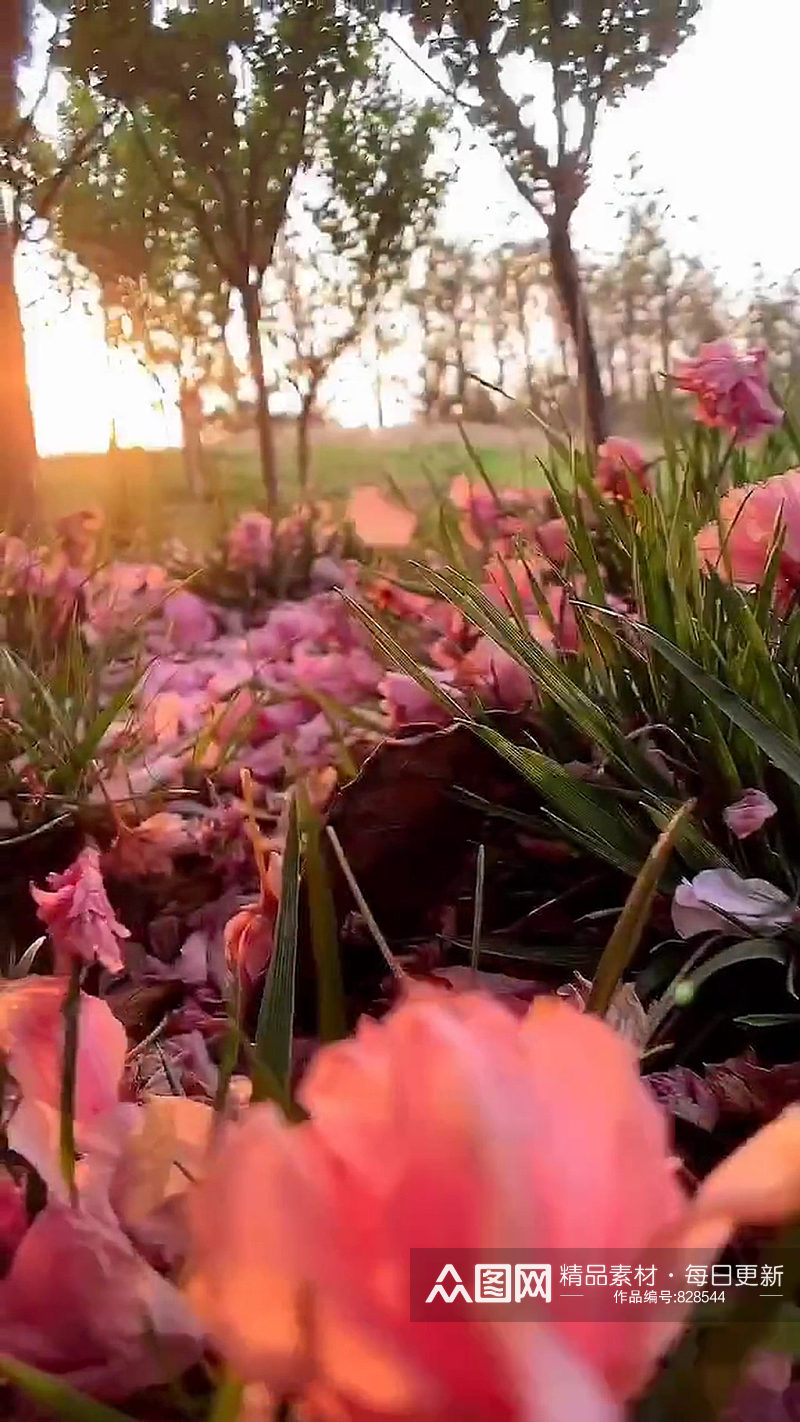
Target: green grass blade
[
  {"x": 324, "y": 935},
  {"x": 627, "y": 935},
  {"x": 57, "y": 1397},
  {"x": 589, "y": 815},
  {"x": 363, "y": 907},
  {"x": 273, "y": 1042},
  {"x": 775, "y": 745}
]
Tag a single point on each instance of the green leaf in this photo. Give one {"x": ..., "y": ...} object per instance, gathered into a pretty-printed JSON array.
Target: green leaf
[
  {"x": 591, "y": 816},
  {"x": 227, "y": 1400},
  {"x": 683, "y": 988},
  {"x": 477, "y": 916},
  {"x": 273, "y": 1042},
  {"x": 769, "y": 1019},
  {"x": 56, "y": 1396},
  {"x": 776, "y": 746},
  {"x": 324, "y": 936}
]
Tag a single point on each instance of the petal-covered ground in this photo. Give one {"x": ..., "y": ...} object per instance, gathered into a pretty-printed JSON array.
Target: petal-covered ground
[{"x": 314, "y": 789}]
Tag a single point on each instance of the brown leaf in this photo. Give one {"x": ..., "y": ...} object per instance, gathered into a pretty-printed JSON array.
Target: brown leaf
[
  {"x": 141, "y": 1008},
  {"x": 405, "y": 835},
  {"x": 735, "y": 1090}
]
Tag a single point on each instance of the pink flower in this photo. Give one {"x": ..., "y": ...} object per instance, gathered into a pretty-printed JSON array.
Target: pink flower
[
  {"x": 249, "y": 935},
  {"x": 312, "y": 744},
  {"x": 749, "y": 518},
  {"x": 31, "y": 1041},
  {"x": 553, "y": 539},
  {"x": 118, "y": 1327},
  {"x": 719, "y": 901},
  {"x": 564, "y": 636},
  {"x": 619, "y": 463},
  {"x": 162, "y": 718},
  {"x": 493, "y": 671},
  {"x": 163, "y": 1153},
  {"x": 483, "y": 512},
  {"x": 189, "y": 620},
  {"x": 505, "y": 574},
  {"x": 406, "y": 703},
  {"x": 378, "y": 521},
  {"x": 249, "y": 942},
  {"x": 149, "y": 775},
  {"x": 428, "y": 1130},
  {"x": 78, "y": 916},
  {"x": 731, "y": 389},
  {"x": 749, "y": 814},
  {"x": 249, "y": 543}
]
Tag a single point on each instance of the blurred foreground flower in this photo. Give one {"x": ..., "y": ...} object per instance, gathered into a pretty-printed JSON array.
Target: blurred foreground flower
[
  {"x": 118, "y": 1326},
  {"x": 720, "y": 901},
  {"x": 731, "y": 389},
  {"x": 749, "y": 519},
  {"x": 31, "y": 1044},
  {"x": 453, "y": 1124},
  {"x": 78, "y": 916},
  {"x": 81, "y": 1303}
]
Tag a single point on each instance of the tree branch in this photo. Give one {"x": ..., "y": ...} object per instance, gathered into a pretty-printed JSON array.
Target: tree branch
[
  {"x": 502, "y": 114},
  {"x": 192, "y": 205},
  {"x": 82, "y": 151}
]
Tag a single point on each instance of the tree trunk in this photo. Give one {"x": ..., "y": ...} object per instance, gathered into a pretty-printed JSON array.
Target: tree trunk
[
  {"x": 379, "y": 393},
  {"x": 251, "y": 303},
  {"x": 665, "y": 333},
  {"x": 628, "y": 331},
  {"x": 530, "y": 381},
  {"x": 18, "y": 458},
  {"x": 461, "y": 366},
  {"x": 567, "y": 282},
  {"x": 611, "y": 371},
  {"x": 304, "y": 446},
  {"x": 192, "y": 443}
]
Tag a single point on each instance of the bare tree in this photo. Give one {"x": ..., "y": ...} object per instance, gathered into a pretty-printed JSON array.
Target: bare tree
[
  {"x": 592, "y": 52},
  {"x": 383, "y": 199}
]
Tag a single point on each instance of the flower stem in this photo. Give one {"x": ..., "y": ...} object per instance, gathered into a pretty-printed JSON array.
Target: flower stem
[{"x": 69, "y": 1070}]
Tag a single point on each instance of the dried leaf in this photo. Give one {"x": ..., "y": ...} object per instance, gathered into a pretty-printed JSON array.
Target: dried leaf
[{"x": 737, "y": 1089}]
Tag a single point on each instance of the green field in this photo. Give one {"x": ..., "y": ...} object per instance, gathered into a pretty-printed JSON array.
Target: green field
[{"x": 144, "y": 497}]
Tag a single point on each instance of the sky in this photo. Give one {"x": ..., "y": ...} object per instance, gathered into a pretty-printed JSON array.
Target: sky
[{"x": 715, "y": 132}]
